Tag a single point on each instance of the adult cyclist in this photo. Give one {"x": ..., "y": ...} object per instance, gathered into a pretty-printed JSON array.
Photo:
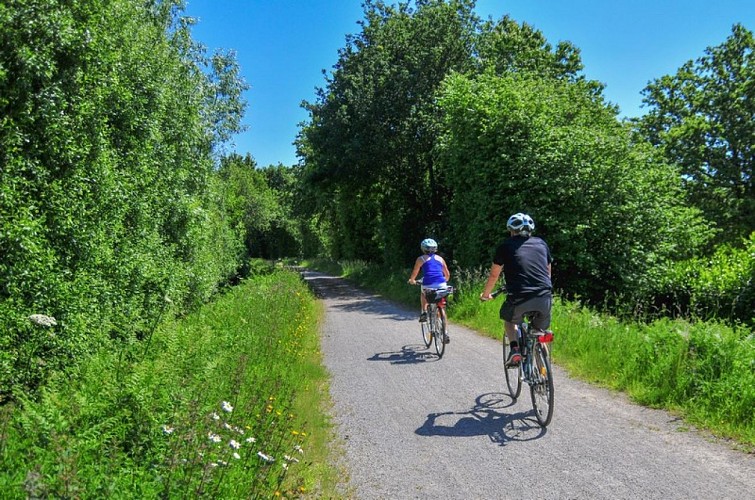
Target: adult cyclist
[
  {"x": 435, "y": 272},
  {"x": 526, "y": 263}
]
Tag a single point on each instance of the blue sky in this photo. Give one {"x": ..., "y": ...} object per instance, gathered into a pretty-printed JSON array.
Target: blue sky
[{"x": 283, "y": 46}]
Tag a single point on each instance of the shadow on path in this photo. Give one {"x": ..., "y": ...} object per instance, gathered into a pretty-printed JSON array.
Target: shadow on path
[
  {"x": 409, "y": 354},
  {"x": 486, "y": 418},
  {"x": 354, "y": 299}
]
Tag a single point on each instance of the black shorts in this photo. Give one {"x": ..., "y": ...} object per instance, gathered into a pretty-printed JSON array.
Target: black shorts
[{"x": 514, "y": 309}]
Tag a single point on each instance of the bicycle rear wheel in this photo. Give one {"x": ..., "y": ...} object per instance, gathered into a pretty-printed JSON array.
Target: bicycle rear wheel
[
  {"x": 439, "y": 331},
  {"x": 513, "y": 373},
  {"x": 541, "y": 389}
]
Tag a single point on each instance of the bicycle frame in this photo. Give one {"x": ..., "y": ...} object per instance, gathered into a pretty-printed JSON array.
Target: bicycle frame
[
  {"x": 437, "y": 321},
  {"x": 534, "y": 368}
]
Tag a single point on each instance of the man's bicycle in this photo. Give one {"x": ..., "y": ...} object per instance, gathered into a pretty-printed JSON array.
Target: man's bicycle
[
  {"x": 435, "y": 329},
  {"x": 535, "y": 367}
]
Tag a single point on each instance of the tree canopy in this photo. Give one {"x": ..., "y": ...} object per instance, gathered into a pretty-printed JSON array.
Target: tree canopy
[
  {"x": 111, "y": 115},
  {"x": 703, "y": 118}
]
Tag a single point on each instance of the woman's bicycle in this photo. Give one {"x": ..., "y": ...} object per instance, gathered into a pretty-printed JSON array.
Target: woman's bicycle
[
  {"x": 535, "y": 367},
  {"x": 435, "y": 329}
]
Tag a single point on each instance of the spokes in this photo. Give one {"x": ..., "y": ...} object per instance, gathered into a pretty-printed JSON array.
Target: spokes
[{"x": 541, "y": 387}]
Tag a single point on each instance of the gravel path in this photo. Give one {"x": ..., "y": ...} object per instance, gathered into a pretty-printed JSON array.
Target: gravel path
[{"x": 414, "y": 426}]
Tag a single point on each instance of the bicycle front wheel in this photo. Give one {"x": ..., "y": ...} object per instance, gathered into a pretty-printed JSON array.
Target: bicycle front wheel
[
  {"x": 439, "y": 331},
  {"x": 541, "y": 388},
  {"x": 513, "y": 373},
  {"x": 427, "y": 334}
]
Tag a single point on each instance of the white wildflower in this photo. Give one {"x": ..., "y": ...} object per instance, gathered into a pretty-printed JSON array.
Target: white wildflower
[
  {"x": 299, "y": 449},
  {"x": 215, "y": 416},
  {"x": 250, "y": 440},
  {"x": 214, "y": 437},
  {"x": 288, "y": 458},
  {"x": 285, "y": 466},
  {"x": 236, "y": 455},
  {"x": 264, "y": 457},
  {"x": 43, "y": 320},
  {"x": 234, "y": 444},
  {"x": 168, "y": 430},
  {"x": 227, "y": 426},
  {"x": 227, "y": 406}
]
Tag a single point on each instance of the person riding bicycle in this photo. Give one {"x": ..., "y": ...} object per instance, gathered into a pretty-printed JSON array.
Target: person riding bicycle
[
  {"x": 435, "y": 272},
  {"x": 526, "y": 263}
]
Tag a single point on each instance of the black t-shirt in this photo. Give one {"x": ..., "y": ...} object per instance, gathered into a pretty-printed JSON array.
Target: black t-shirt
[{"x": 525, "y": 265}]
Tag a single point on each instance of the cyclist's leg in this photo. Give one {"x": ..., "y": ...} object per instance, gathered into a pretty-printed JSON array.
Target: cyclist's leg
[
  {"x": 444, "y": 323},
  {"x": 511, "y": 315},
  {"x": 423, "y": 304}
]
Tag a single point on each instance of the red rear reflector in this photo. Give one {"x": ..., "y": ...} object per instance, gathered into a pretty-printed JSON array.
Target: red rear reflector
[{"x": 545, "y": 338}]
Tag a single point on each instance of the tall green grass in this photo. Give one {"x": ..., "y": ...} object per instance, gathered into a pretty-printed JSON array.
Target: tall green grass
[
  {"x": 225, "y": 403},
  {"x": 703, "y": 371}
]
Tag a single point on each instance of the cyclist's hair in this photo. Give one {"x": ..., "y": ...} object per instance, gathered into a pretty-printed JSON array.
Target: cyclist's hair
[
  {"x": 521, "y": 224},
  {"x": 429, "y": 245}
]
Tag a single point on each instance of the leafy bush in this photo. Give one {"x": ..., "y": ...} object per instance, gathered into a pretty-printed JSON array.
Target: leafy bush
[
  {"x": 108, "y": 207},
  {"x": 610, "y": 209},
  {"x": 720, "y": 286},
  {"x": 218, "y": 404}
]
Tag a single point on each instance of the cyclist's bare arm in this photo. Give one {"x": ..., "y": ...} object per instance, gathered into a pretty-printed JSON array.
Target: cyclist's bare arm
[
  {"x": 495, "y": 273},
  {"x": 415, "y": 271}
]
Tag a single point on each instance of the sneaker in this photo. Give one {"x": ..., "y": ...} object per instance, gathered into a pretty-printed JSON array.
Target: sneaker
[
  {"x": 514, "y": 358},
  {"x": 423, "y": 317},
  {"x": 446, "y": 339}
]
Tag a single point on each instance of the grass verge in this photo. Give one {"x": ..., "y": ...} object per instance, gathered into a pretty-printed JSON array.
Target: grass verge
[{"x": 228, "y": 402}]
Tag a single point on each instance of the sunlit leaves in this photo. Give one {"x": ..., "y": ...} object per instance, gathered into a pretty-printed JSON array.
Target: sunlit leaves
[{"x": 704, "y": 119}]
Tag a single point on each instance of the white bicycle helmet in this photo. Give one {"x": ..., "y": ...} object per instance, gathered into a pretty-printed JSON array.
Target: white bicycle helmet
[
  {"x": 521, "y": 224},
  {"x": 429, "y": 245}
]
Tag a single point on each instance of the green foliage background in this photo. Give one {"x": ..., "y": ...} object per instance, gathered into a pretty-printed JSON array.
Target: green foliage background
[
  {"x": 402, "y": 145},
  {"x": 109, "y": 208},
  {"x": 553, "y": 150}
]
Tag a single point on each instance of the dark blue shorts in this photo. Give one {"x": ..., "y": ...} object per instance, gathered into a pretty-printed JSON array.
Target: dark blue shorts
[{"x": 514, "y": 309}]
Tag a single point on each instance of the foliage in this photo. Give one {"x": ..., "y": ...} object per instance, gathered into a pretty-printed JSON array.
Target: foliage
[
  {"x": 703, "y": 370},
  {"x": 217, "y": 405},
  {"x": 507, "y": 47},
  {"x": 609, "y": 209},
  {"x": 718, "y": 286},
  {"x": 369, "y": 147},
  {"x": 110, "y": 115},
  {"x": 375, "y": 124},
  {"x": 703, "y": 117}
]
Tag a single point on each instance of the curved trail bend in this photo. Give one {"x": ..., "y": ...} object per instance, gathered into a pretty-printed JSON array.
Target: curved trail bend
[{"x": 414, "y": 426}]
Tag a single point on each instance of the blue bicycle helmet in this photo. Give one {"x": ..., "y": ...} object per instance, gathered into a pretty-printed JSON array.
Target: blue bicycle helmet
[
  {"x": 521, "y": 224},
  {"x": 429, "y": 245}
]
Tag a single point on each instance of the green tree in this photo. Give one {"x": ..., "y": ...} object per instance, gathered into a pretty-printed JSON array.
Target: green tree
[
  {"x": 611, "y": 210},
  {"x": 369, "y": 144},
  {"x": 110, "y": 115},
  {"x": 506, "y": 46},
  {"x": 704, "y": 119},
  {"x": 258, "y": 203},
  {"x": 369, "y": 147}
]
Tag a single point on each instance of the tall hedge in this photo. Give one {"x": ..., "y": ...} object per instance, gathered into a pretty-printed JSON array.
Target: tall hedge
[
  {"x": 610, "y": 210},
  {"x": 108, "y": 215}
]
